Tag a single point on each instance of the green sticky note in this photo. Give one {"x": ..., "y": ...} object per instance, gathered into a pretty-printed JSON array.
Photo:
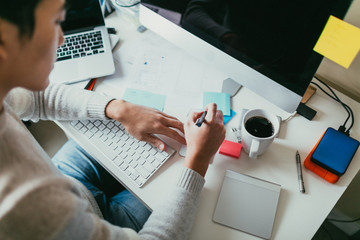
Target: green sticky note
[
  {"x": 222, "y": 101},
  {"x": 145, "y": 98}
]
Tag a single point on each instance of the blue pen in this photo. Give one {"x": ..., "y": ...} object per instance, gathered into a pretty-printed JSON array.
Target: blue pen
[{"x": 201, "y": 119}]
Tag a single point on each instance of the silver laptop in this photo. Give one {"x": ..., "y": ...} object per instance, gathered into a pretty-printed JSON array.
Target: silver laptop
[{"x": 86, "y": 52}]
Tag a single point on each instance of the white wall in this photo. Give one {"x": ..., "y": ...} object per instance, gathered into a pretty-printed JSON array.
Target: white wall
[{"x": 345, "y": 80}]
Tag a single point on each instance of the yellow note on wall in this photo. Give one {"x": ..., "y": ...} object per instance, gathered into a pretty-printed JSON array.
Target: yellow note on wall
[{"x": 339, "y": 42}]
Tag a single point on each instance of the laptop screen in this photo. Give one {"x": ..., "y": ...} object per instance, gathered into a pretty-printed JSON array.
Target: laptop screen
[{"x": 82, "y": 14}]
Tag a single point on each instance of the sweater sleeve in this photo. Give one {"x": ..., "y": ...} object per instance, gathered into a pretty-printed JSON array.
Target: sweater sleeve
[
  {"x": 171, "y": 220},
  {"x": 57, "y": 102}
]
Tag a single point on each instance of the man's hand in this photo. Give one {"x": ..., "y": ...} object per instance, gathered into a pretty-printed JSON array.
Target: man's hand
[
  {"x": 142, "y": 122},
  {"x": 203, "y": 142}
]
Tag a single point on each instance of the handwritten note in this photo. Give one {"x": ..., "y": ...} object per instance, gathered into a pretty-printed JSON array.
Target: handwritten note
[{"x": 339, "y": 42}]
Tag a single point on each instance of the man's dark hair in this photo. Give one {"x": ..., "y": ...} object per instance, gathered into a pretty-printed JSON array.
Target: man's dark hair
[{"x": 21, "y": 13}]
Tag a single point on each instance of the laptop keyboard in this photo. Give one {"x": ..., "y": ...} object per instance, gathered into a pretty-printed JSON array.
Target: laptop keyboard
[
  {"x": 137, "y": 159},
  {"x": 81, "y": 45}
]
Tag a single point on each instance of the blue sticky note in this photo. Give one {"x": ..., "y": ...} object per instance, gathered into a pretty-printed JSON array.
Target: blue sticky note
[
  {"x": 227, "y": 118},
  {"x": 145, "y": 98},
  {"x": 222, "y": 101}
]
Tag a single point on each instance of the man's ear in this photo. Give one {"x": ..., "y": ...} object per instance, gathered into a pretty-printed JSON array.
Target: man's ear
[{"x": 3, "y": 53}]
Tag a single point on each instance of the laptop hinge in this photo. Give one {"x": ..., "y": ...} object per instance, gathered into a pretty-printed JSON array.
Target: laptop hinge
[{"x": 81, "y": 30}]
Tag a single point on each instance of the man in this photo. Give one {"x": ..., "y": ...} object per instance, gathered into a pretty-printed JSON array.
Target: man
[{"x": 36, "y": 200}]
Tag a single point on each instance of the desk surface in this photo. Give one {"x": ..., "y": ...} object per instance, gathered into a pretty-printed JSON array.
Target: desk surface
[{"x": 298, "y": 215}]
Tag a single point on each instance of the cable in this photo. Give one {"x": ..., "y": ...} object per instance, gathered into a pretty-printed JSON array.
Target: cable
[
  {"x": 344, "y": 221},
  {"x": 347, "y": 108},
  {"x": 289, "y": 117},
  {"x": 336, "y": 98}
]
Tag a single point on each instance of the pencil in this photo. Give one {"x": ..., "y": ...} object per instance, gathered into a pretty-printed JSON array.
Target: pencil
[{"x": 90, "y": 85}]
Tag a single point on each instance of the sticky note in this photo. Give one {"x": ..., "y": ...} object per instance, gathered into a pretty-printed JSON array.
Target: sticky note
[
  {"x": 222, "y": 101},
  {"x": 228, "y": 118},
  {"x": 231, "y": 149},
  {"x": 339, "y": 42},
  {"x": 145, "y": 98}
]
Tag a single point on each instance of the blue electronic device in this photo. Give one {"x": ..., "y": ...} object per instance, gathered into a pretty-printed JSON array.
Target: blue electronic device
[{"x": 335, "y": 151}]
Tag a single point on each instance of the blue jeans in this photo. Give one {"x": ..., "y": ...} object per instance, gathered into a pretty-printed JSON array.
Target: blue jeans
[{"x": 117, "y": 204}]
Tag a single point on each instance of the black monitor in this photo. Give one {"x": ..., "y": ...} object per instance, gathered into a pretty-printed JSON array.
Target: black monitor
[{"x": 265, "y": 45}]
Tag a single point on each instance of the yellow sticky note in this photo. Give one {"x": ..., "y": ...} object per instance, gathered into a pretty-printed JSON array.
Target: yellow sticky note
[{"x": 339, "y": 41}]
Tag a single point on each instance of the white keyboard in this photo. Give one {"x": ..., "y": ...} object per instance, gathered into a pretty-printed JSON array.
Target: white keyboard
[{"x": 137, "y": 159}]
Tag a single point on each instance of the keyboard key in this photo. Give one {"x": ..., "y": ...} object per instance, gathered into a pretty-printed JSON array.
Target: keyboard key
[
  {"x": 97, "y": 47},
  {"x": 118, "y": 161},
  {"x": 153, "y": 151},
  {"x": 98, "y": 134},
  {"x": 143, "y": 172},
  {"x": 63, "y": 58},
  {"x": 89, "y": 134},
  {"x": 124, "y": 166},
  {"x": 134, "y": 164},
  {"x": 145, "y": 154},
  {"x": 129, "y": 171},
  {"x": 160, "y": 157},
  {"x": 140, "y": 181},
  {"x": 156, "y": 163},
  {"x": 134, "y": 175},
  {"x": 97, "y": 123},
  {"x": 150, "y": 168}
]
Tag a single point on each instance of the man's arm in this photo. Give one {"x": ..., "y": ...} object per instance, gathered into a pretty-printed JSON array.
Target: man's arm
[
  {"x": 57, "y": 102},
  {"x": 63, "y": 102},
  {"x": 173, "y": 219}
]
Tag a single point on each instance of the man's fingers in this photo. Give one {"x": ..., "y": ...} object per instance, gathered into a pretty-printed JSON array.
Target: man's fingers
[
  {"x": 172, "y": 134},
  {"x": 174, "y": 123},
  {"x": 194, "y": 116},
  {"x": 219, "y": 116},
  {"x": 155, "y": 142},
  {"x": 211, "y": 112}
]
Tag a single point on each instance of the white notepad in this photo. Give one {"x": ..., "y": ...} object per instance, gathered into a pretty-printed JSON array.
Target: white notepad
[{"x": 248, "y": 204}]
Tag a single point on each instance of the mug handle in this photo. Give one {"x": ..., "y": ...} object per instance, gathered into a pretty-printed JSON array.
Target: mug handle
[{"x": 255, "y": 144}]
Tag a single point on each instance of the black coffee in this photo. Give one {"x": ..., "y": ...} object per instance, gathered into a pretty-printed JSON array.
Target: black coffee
[{"x": 259, "y": 127}]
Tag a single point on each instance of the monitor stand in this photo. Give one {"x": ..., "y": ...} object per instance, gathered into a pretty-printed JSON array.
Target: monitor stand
[{"x": 230, "y": 86}]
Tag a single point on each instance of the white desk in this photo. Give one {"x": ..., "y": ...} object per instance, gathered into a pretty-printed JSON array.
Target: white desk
[{"x": 298, "y": 215}]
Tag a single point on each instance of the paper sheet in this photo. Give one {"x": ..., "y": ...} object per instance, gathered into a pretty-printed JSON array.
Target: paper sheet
[{"x": 151, "y": 63}]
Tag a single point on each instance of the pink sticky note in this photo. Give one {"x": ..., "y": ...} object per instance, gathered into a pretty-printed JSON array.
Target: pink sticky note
[{"x": 231, "y": 149}]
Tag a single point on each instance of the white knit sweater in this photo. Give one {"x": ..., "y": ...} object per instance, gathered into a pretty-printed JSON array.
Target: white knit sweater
[{"x": 38, "y": 202}]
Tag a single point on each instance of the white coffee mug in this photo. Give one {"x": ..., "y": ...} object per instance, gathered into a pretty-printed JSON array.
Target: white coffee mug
[{"x": 258, "y": 133}]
